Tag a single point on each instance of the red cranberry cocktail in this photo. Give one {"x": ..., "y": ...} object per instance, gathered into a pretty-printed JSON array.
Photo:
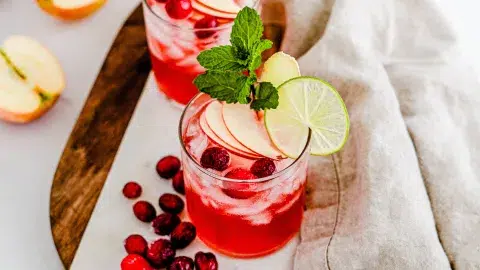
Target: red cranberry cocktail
[
  {"x": 245, "y": 202},
  {"x": 177, "y": 31}
]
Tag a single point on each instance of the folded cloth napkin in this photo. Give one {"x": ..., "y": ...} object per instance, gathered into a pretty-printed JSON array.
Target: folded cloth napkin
[{"x": 404, "y": 193}]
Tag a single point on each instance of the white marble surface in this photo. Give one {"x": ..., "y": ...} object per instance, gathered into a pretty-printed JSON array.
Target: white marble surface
[{"x": 29, "y": 153}]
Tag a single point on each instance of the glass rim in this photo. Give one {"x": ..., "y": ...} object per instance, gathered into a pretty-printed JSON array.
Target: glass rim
[
  {"x": 225, "y": 179},
  {"x": 218, "y": 28}
]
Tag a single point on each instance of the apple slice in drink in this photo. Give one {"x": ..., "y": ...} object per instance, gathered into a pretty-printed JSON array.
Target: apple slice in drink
[
  {"x": 206, "y": 128},
  {"x": 31, "y": 79},
  {"x": 279, "y": 68},
  {"x": 228, "y": 6},
  {"x": 213, "y": 12},
  {"x": 248, "y": 128},
  {"x": 214, "y": 119}
]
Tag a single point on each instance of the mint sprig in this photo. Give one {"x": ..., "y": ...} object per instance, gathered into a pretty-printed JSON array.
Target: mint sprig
[{"x": 230, "y": 74}]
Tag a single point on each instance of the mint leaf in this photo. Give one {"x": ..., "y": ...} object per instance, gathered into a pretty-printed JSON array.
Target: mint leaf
[
  {"x": 221, "y": 58},
  {"x": 231, "y": 87},
  {"x": 246, "y": 32},
  {"x": 255, "y": 59},
  {"x": 266, "y": 97}
]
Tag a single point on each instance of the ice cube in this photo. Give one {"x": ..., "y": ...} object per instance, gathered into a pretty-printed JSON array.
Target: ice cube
[
  {"x": 188, "y": 61},
  {"x": 260, "y": 219},
  {"x": 174, "y": 52}
]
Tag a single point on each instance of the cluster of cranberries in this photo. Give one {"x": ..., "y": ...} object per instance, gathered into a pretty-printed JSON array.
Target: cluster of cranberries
[
  {"x": 161, "y": 253},
  {"x": 218, "y": 158},
  {"x": 181, "y": 9}
]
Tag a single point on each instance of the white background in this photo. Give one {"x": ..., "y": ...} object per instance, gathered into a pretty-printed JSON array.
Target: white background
[{"x": 29, "y": 153}]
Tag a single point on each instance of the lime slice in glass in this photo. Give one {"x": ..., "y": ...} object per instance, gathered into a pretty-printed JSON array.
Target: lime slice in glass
[{"x": 308, "y": 103}]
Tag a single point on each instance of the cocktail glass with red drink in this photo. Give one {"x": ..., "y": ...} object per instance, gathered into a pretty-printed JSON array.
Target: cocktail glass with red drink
[{"x": 252, "y": 204}]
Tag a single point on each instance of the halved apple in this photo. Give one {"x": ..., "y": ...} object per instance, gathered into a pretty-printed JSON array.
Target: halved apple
[
  {"x": 31, "y": 79},
  {"x": 228, "y": 6},
  {"x": 248, "y": 128},
  {"x": 214, "y": 119},
  {"x": 213, "y": 12},
  {"x": 70, "y": 9}
]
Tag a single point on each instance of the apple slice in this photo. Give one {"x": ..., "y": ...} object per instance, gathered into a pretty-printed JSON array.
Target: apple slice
[
  {"x": 206, "y": 128},
  {"x": 213, "y": 12},
  {"x": 31, "y": 79},
  {"x": 214, "y": 119},
  {"x": 70, "y": 9},
  {"x": 228, "y": 6},
  {"x": 279, "y": 68},
  {"x": 248, "y": 128}
]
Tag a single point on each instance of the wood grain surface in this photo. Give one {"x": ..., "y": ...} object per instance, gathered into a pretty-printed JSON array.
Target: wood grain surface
[{"x": 94, "y": 141}]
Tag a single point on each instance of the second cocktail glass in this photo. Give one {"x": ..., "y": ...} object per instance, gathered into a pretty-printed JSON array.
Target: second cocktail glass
[{"x": 174, "y": 44}]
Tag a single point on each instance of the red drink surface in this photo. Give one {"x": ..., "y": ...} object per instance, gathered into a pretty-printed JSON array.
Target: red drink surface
[{"x": 247, "y": 219}]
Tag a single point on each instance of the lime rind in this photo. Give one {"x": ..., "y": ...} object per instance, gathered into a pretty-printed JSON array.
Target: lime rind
[{"x": 318, "y": 107}]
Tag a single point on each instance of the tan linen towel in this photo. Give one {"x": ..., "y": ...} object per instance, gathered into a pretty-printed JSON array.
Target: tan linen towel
[{"x": 404, "y": 193}]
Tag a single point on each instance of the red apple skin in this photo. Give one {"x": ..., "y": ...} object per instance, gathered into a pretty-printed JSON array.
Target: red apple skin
[
  {"x": 70, "y": 14},
  {"x": 23, "y": 118}
]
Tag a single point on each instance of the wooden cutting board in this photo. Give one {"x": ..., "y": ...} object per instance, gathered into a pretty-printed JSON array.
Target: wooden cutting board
[{"x": 94, "y": 141}]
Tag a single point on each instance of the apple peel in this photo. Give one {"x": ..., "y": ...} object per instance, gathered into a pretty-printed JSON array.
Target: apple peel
[{"x": 70, "y": 9}]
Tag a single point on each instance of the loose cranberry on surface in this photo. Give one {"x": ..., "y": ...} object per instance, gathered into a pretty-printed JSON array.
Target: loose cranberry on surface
[
  {"x": 205, "y": 23},
  {"x": 171, "y": 203},
  {"x": 215, "y": 158},
  {"x": 135, "y": 262},
  {"x": 144, "y": 211},
  {"x": 182, "y": 263},
  {"x": 164, "y": 223},
  {"x": 263, "y": 167},
  {"x": 183, "y": 235},
  {"x": 205, "y": 261},
  {"x": 168, "y": 166},
  {"x": 161, "y": 253},
  {"x": 178, "y": 9},
  {"x": 240, "y": 174},
  {"x": 136, "y": 244},
  {"x": 132, "y": 190},
  {"x": 178, "y": 183}
]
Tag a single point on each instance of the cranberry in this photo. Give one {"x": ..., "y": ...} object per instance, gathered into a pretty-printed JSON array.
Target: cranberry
[
  {"x": 181, "y": 263},
  {"x": 183, "y": 235},
  {"x": 132, "y": 190},
  {"x": 241, "y": 174},
  {"x": 263, "y": 167},
  {"x": 215, "y": 158},
  {"x": 205, "y": 261},
  {"x": 161, "y": 1},
  {"x": 168, "y": 166},
  {"x": 136, "y": 244},
  {"x": 135, "y": 262},
  {"x": 165, "y": 223},
  {"x": 178, "y": 9},
  {"x": 171, "y": 203},
  {"x": 178, "y": 183},
  {"x": 161, "y": 253},
  {"x": 205, "y": 23},
  {"x": 144, "y": 211}
]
